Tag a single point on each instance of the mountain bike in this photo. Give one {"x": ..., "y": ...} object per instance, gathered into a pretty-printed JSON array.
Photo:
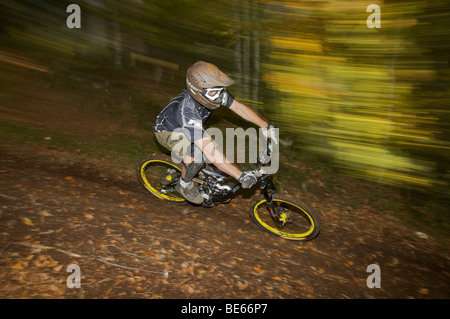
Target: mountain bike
[{"x": 279, "y": 215}]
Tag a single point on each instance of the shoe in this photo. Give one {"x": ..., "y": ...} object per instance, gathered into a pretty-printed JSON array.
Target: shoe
[{"x": 190, "y": 193}]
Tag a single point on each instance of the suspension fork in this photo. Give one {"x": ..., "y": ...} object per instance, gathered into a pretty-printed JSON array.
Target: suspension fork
[{"x": 269, "y": 189}]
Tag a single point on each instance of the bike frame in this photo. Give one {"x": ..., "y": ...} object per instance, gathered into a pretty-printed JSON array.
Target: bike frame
[{"x": 267, "y": 187}]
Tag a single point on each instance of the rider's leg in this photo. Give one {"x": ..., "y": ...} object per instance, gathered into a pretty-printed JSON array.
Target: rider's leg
[
  {"x": 186, "y": 161},
  {"x": 192, "y": 164}
]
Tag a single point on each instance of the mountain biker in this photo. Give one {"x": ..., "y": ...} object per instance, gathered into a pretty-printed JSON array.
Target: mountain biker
[{"x": 182, "y": 120}]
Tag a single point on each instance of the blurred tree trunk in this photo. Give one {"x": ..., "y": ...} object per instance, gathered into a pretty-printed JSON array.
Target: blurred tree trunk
[
  {"x": 117, "y": 40},
  {"x": 247, "y": 48}
]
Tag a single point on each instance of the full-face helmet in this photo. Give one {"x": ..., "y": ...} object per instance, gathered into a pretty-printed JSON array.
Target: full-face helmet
[{"x": 206, "y": 83}]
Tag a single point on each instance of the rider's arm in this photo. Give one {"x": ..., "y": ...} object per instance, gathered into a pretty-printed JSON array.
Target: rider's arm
[
  {"x": 248, "y": 114},
  {"x": 217, "y": 158}
]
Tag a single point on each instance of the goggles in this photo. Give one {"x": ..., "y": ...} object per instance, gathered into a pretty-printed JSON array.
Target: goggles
[{"x": 213, "y": 93}]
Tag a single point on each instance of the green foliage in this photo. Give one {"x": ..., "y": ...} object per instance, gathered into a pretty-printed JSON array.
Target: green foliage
[{"x": 370, "y": 103}]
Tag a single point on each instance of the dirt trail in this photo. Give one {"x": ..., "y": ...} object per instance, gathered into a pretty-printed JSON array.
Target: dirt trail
[
  {"x": 58, "y": 209},
  {"x": 54, "y": 215}
]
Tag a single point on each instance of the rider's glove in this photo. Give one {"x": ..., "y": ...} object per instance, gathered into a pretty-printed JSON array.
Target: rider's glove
[{"x": 248, "y": 178}]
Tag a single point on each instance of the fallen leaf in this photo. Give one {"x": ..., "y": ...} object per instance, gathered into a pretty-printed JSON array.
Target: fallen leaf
[
  {"x": 424, "y": 291},
  {"x": 68, "y": 178},
  {"x": 57, "y": 268},
  {"x": 40, "y": 262},
  {"x": 17, "y": 266},
  {"x": 300, "y": 282},
  {"x": 242, "y": 285},
  {"x": 277, "y": 279},
  {"x": 286, "y": 289},
  {"x": 125, "y": 224},
  {"x": 45, "y": 213},
  {"x": 88, "y": 216},
  {"x": 258, "y": 270},
  {"x": 27, "y": 221}
]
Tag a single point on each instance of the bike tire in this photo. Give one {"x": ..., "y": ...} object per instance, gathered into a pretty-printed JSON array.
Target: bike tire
[
  {"x": 150, "y": 162},
  {"x": 302, "y": 212}
]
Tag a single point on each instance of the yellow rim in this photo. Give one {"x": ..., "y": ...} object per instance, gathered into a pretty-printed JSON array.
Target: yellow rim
[
  {"x": 154, "y": 190},
  {"x": 281, "y": 233}
]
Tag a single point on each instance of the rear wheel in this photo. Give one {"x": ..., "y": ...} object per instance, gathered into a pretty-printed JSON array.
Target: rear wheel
[
  {"x": 286, "y": 218},
  {"x": 159, "y": 175}
]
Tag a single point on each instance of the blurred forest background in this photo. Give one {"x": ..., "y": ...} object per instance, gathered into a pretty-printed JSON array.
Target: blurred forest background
[{"x": 372, "y": 103}]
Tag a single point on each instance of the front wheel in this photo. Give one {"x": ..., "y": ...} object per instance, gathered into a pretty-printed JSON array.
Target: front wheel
[{"x": 286, "y": 218}]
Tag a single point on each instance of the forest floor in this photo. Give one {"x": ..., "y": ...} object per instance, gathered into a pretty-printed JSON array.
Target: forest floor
[{"x": 68, "y": 197}]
